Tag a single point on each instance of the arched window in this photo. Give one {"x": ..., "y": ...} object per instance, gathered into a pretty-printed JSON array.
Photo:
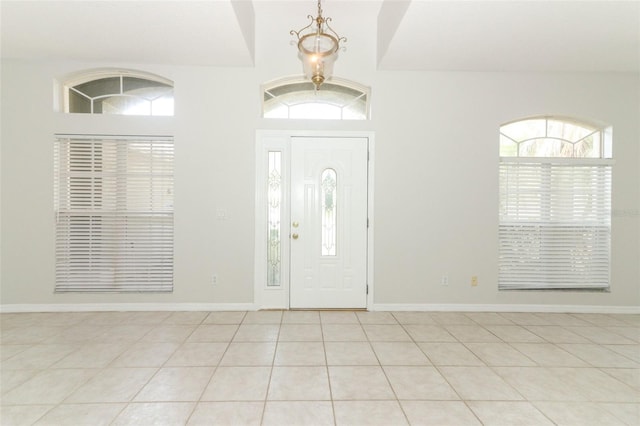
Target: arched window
[
  {"x": 555, "y": 204},
  {"x": 119, "y": 92},
  {"x": 337, "y": 99}
]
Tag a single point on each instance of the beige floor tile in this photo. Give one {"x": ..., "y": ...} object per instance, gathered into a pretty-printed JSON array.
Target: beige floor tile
[
  {"x": 338, "y": 317},
  {"x": 93, "y": 355},
  {"x": 601, "y": 356},
  {"x": 213, "y": 333},
  {"x": 452, "y": 318},
  {"x": 18, "y": 415},
  {"x": 294, "y": 413},
  {"x": 9, "y": 379},
  {"x": 450, "y": 354},
  {"x": 350, "y": 353},
  {"x": 429, "y": 333},
  {"x": 501, "y": 413},
  {"x": 343, "y": 333},
  {"x": 419, "y": 383},
  {"x": 152, "y": 317},
  {"x": 369, "y": 413},
  {"x": 299, "y": 384},
  {"x": 631, "y": 333},
  {"x": 628, "y": 376},
  {"x": 300, "y": 354},
  {"x": 556, "y": 334},
  {"x": 603, "y": 320},
  {"x": 499, "y": 354},
  {"x": 238, "y": 384},
  {"x": 359, "y": 383},
  {"x": 197, "y": 355},
  {"x": 514, "y": 334},
  {"x": 596, "y": 385},
  {"x": 301, "y": 317},
  {"x": 257, "y": 333},
  {"x": 549, "y": 355},
  {"x": 385, "y": 333},
  {"x": 488, "y": 318},
  {"x": 300, "y": 333},
  {"x": 39, "y": 357},
  {"x": 479, "y": 383},
  {"x": 124, "y": 333},
  {"x": 472, "y": 334},
  {"x": 107, "y": 318},
  {"x": 564, "y": 319},
  {"x": 146, "y": 354},
  {"x": 399, "y": 353},
  {"x": 169, "y": 333},
  {"x": 185, "y": 318},
  {"x": 414, "y": 318},
  {"x": 176, "y": 384},
  {"x": 263, "y": 317},
  {"x": 577, "y": 413},
  {"x": 249, "y": 354},
  {"x": 227, "y": 413},
  {"x": 113, "y": 385},
  {"x": 601, "y": 336},
  {"x": 439, "y": 413},
  {"x": 373, "y": 317},
  {"x": 232, "y": 317},
  {"x": 539, "y": 384},
  {"x": 629, "y": 414},
  {"x": 81, "y": 415},
  {"x": 81, "y": 333},
  {"x": 525, "y": 318},
  {"x": 8, "y": 351},
  {"x": 155, "y": 413},
  {"x": 28, "y": 335},
  {"x": 48, "y": 387}
]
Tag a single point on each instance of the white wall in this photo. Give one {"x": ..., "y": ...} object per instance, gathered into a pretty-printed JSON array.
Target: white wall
[{"x": 436, "y": 180}]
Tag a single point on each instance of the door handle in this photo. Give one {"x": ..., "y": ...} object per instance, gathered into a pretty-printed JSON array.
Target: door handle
[{"x": 294, "y": 236}]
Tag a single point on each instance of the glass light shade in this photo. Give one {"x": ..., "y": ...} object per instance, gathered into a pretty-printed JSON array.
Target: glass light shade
[{"x": 318, "y": 52}]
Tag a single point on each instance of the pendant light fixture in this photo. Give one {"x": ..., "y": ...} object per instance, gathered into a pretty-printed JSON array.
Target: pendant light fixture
[{"x": 318, "y": 46}]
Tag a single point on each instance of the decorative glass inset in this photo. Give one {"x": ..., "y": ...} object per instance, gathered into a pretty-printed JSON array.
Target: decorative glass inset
[
  {"x": 336, "y": 100},
  {"x": 121, "y": 94},
  {"x": 329, "y": 212},
  {"x": 274, "y": 215},
  {"x": 553, "y": 137}
]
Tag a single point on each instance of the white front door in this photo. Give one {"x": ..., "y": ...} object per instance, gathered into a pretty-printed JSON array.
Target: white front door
[{"x": 328, "y": 228}]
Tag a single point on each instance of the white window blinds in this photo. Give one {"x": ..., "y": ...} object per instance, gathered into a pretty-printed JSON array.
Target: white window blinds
[
  {"x": 114, "y": 213},
  {"x": 555, "y": 223}
]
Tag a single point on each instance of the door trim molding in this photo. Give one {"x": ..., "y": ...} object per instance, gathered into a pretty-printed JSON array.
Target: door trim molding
[{"x": 280, "y": 140}]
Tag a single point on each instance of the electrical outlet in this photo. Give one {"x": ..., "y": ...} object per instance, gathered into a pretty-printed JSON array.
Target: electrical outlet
[
  {"x": 474, "y": 281},
  {"x": 214, "y": 279},
  {"x": 444, "y": 279}
]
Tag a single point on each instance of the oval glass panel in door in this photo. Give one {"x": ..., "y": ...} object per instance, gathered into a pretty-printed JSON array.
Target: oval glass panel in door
[{"x": 328, "y": 182}]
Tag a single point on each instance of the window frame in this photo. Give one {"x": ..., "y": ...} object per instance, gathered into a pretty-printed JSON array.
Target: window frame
[
  {"x": 348, "y": 85},
  {"x": 130, "y": 249},
  {"x": 525, "y": 244},
  {"x": 77, "y": 79}
]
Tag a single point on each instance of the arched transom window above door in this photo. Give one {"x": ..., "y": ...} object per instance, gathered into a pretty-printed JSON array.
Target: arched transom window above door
[
  {"x": 118, "y": 92},
  {"x": 295, "y": 98}
]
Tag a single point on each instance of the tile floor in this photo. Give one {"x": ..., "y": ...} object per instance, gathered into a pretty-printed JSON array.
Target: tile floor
[{"x": 317, "y": 368}]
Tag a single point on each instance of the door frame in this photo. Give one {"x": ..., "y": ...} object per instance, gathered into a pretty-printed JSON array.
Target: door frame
[{"x": 277, "y": 297}]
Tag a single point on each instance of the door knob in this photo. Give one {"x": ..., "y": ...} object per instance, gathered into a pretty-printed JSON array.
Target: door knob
[{"x": 294, "y": 236}]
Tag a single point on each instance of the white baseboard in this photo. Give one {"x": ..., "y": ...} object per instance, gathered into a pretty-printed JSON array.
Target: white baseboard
[
  {"x": 586, "y": 309},
  {"x": 115, "y": 307},
  {"x": 212, "y": 307}
]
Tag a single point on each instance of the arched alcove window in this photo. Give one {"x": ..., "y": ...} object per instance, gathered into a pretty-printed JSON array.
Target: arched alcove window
[
  {"x": 555, "y": 204},
  {"x": 119, "y": 92},
  {"x": 336, "y": 99}
]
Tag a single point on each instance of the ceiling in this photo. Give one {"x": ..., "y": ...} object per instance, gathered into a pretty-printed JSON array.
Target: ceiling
[{"x": 443, "y": 35}]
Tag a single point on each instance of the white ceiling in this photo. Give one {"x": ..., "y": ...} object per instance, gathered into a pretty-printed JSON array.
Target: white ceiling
[{"x": 469, "y": 35}]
